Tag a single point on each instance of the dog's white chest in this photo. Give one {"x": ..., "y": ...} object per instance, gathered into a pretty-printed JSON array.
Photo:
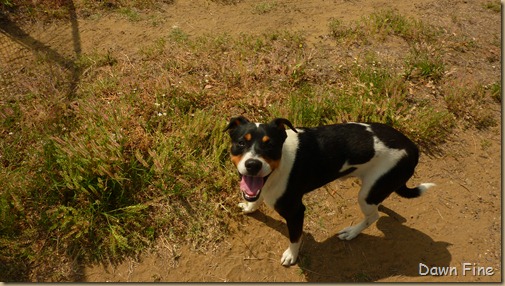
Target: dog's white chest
[
  {"x": 276, "y": 184},
  {"x": 273, "y": 189}
]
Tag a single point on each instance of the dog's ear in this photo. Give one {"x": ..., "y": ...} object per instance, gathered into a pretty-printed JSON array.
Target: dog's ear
[
  {"x": 235, "y": 122},
  {"x": 282, "y": 122}
]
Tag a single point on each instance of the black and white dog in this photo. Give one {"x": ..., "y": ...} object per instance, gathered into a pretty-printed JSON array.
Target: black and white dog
[{"x": 279, "y": 166}]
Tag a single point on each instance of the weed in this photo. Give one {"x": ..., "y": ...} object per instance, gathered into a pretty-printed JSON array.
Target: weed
[
  {"x": 390, "y": 22},
  {"x": 466, "y": 102},
  {"x": 304, "y": 263},
  {"x": 7, "y": 3},
  {"x": 485, "y": 144},
  {"x": 95, "y": 60},
  {"x": 264, "y": 7},
  {"x": 338, "y": 30},
  {"x": 493, "y": 6},
  {"x": 96, "y": 182},
  {"x": 424, "y": 62},
  {"x": 430, "y": 127},
  {"x": 495, "y": 90},
  {"x": 130, "y": 13},
  {"x": 154, "y": 50},
  {"x": 304, "y": 108},
  {"x": 178, "y": 35}
]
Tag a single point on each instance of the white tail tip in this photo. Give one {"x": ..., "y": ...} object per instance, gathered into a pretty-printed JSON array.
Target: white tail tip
[{"x": 425, "y": 186}]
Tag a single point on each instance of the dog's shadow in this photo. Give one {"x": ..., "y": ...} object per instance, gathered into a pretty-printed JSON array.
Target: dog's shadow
[{"x": 367, "y": 258}]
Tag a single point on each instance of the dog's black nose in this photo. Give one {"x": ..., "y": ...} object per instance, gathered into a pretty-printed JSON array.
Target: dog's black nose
[{"x": 253, "y": 166}]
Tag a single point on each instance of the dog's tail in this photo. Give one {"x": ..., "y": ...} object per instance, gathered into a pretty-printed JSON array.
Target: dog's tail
[{"x": 409, "y": 193}]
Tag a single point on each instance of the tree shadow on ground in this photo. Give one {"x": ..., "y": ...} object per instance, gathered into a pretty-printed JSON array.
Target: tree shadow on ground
[
  {"x": 23, "y": 38},
  {"x": 15, "y": 264},
  {"x": 367, "y": 258}
]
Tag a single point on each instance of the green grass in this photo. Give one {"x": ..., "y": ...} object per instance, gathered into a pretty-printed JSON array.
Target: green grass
[
  {"x": 338, "y": 30},
  {"x": 130, "y": 13},
  {"x": 139, "y": 151},
  {"x": 383, "y": 24},
  {"x": 264, "y": 7},
  {"x": 390, "y": 22},
  {"x": 494, "y": 6},
  {"x": 424, "y": 63},
  {"x": 466, "y": 103},
  {"x": 495, "y": 90}
]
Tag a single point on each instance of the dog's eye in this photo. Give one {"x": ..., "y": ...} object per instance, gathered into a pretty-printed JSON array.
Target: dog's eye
[{"x": 241, "y": 143}]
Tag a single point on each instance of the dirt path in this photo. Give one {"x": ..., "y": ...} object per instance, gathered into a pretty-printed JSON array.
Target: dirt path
[{"x": 459, "y": 221}]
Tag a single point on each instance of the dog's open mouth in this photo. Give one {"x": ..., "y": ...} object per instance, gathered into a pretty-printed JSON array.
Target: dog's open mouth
[{"x": 251, "y": 187}]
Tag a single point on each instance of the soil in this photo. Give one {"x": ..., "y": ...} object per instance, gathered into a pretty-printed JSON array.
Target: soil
[{"x": 456, "y": 222}]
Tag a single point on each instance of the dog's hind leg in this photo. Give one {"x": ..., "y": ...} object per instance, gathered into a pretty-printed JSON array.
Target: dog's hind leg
[
  {"x": 370, "y": 211},
  {"x": 376, "y": 188}
]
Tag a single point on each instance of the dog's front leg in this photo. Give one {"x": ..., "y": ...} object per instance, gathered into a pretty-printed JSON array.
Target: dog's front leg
[
  {"x": 290, "y": 256},
  {"x": 250, "y": 207},
  {"x": 295, "y": 229}
]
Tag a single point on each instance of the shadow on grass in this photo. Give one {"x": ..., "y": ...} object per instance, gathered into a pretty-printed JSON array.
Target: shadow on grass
[
  {"x": 367, "y": 258},
  {"x": 15, "y": 263},
  {"x": 14, "y": 32}
]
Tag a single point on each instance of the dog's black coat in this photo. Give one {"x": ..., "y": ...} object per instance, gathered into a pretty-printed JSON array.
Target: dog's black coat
[{"x": 327, "y": 148}]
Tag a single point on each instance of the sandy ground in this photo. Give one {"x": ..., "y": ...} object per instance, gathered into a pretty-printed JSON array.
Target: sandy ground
[{"x": 456, "y": 222}]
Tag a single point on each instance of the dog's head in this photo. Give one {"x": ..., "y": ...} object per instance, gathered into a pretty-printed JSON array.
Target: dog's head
[{"x": 256, "y": 151}]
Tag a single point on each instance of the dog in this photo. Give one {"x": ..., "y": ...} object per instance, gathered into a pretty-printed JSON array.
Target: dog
[{"x": 279, "y": 165}]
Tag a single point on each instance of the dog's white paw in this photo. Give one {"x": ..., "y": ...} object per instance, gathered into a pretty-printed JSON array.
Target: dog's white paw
[
  {"x": 290, "y": 256},
  {"x": 349, "y": 233},
  {"x": 248, "y": 207}
]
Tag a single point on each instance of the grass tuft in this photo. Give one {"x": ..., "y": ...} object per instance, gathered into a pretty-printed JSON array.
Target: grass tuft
[
  {"x": 383, "y": 24},
  {"x": 338, "y": 30},
  {"x": 494, "y": 6},
  {"x": 424, "y": 63},
  {"x": 264, "y": 7},
  {"x": 390, "y": 22},
  {"x": 467, "y": 104}
]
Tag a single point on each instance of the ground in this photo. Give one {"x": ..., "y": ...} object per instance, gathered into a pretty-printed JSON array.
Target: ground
[{"x": 456, "y": 222}]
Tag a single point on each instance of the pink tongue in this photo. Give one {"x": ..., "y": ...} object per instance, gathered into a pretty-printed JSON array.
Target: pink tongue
[{"x": 251, "y": 185}]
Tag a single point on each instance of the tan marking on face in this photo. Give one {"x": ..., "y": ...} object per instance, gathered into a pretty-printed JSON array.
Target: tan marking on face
[
  {"x": 265, "y": 139},
  {"x": 248, "y": 137},
  {"x": 236, "y": 159},
  {"x": 274, "y": 164}
]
